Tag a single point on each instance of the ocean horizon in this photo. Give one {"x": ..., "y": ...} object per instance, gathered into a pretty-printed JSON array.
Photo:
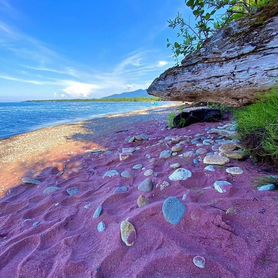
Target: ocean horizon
[{"x": 22, "y": 117}]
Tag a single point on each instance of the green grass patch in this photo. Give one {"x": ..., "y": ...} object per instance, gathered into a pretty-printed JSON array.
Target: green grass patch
[{"x": 258, "y": 128}]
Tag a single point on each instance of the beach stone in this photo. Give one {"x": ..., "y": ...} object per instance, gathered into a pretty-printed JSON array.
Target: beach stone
[
  {"x": 229, "y": 147},
  {"x": 101, "y": 227},
  {"x": 201, "y": 151},
  {"x": 98, "y": 212},
  {"x": 87, "y": 206},
  {"x": 215, "y": 159},
  {"x": 209, "y": 168},
  {"x": 137, "y": 167},
  {"x": 137, "y": 138},
  {"x": 148, "y": 172},
  {"x": 165, "y": 154},
  {"x": 196, "y": 161},
  {"x": 220, "y": 186},
  {"x": 266, "y": 187},
  {"x": 238, "y": 155},
  {"x": 173, "y": 210},
  {"x": 163, "y": 185},
  {"x": 142, "y": 201},
  {"x": 128, "y": 233},
  {"x": 175, "y": 165},
  {"x": 50, "y": 189},
  {"x": 234, "y": 170},
  {"x": 231, "y": 211},
  {"x": 126, "y": 174},
  {"x": 121, "y": 189},
  {"x": 26, "y": 180},
  {"x": 73, "y": 191},
  {"x": 146, "y": 185},
  {"x": 124, "y": 156},
  {"x": 111, "y": 173},
  {"x": 36, "y": 224},
  {"x": 199, "y": 261},
  {"x": 177, "y": 148},
  {"x": 128, "y": 150},
  {"x": 207, "y": 142},
  {"x": 180, "y": 174},
  {"x": 184, "y": 196},
  {"x": 188, "y": 154}
]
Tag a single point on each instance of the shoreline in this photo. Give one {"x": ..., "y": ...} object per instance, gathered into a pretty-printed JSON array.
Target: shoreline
[
  {"x": 27, "y": 153},
  {"x": 79, "y": 121}
]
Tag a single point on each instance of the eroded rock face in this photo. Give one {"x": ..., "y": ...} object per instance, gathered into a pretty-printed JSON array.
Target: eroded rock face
[{"x": 235, "y": 64}]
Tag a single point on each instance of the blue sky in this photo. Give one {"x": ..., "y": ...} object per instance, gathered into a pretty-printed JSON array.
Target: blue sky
[{"x": 85, "y": 48}]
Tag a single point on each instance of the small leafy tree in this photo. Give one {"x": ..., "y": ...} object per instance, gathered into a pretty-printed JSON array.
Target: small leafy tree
[{"x": 210, "y": 15}]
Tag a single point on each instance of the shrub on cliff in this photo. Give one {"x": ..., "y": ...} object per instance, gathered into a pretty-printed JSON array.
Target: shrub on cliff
[{"x": 258, "y": 128}]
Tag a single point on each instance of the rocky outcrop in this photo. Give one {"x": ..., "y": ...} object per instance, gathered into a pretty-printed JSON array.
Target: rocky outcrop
[{"x": 233, "y": 66}]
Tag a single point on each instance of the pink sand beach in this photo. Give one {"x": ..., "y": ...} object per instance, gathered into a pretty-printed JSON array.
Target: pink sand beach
[{"x": 48, "y": 229}]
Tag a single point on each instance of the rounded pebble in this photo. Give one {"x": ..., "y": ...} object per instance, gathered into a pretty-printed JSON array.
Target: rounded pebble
[
  {"x": 173, "y": 210},
  {"x": 101, "y": 227},
  {"x": 180, "y": 174},
  {"x": 199, "y": 261},
  {"x": 128, "y": 233}
]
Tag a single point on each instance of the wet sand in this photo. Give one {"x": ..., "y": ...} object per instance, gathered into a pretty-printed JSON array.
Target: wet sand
[{"x": 45, "y": 234}]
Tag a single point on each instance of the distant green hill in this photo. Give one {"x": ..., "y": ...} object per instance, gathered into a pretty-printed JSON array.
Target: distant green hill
[{"x": 134, "y": 94}]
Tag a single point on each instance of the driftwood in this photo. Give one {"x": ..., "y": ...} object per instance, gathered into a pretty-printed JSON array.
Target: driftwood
[{"x": 234, "y": 65}]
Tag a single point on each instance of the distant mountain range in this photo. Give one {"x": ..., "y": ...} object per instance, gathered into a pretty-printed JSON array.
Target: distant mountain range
[{"x": 134, "y": 94}]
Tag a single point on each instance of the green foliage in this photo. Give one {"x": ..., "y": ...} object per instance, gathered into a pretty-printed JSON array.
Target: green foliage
[
  {"x": 258, "y": 127},
  {"x": 171, "y": 117},
  {"x": 210, "y": 15},
  {"x": 222, "y": 107}
]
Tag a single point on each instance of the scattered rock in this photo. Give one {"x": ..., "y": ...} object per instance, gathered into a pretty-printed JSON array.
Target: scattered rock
[
  {"x": 177, "y": 148},
  {"x": 199, "y": 261},
  {"x": 165, "y": 154},
  {"x": 220, "y": 186},
  {"x": 50, "y": 189},
  {"x": 111, "y": 173},
  {"x": 184, "y": 196},
  {"x": 201, "y": 151},
  {"x": 148, "y": 172},
  {"x": 137, "y": 167},
  {"x": 180, "y": 174},
  {"x": 101, "y": 227},
  {"x": 231, "y": 211},
  {"x": 238, "y": 155},
  {"x": 128, "y": 233},
  {"x": 173, "y": 210},
  {"x": 188, "y": 154},
  {"x": 185, "y": 118},
  {"x": 26, "y": 180},
  {"x": 126, "y": 174},
  {"x": 215, "y": 159},
  {"x": 98, "y": 212},
  {"x": 121, "y": 189},
  {"x": 234, "y": 170},
  {"x": 228, "y": 147},
  {"x": 146, "y": 185},
  {"x": 142, "y": 201},
  {"x": 124, "y": 156},
  {"x": 266, "y": 187},
  {"x": 36, "y": 224},
  {"x": 175, "y": 165},
  {"x": 209, "y": 168},
  {"x": 73, "y": 191},
  {"x": 137, "y": 138},
  {"x": 163, "y": 185}
]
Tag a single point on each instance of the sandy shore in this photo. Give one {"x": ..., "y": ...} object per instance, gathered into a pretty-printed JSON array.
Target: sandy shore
[
  {"x": 184, "y": 219},
  {"x": 26, "y": 154}
]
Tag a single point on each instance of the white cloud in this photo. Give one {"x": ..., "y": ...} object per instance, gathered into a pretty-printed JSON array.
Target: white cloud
[
  {"x": 79, "y": 89},
  {"x": 162, "y": 63}
]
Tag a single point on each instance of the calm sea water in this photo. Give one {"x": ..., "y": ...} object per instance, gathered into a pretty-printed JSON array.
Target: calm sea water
[{"x": 22, "y": 117}]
